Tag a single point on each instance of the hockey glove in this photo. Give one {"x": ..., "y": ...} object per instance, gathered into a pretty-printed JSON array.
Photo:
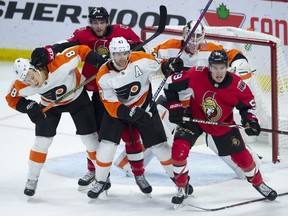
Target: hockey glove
[
  {"x": 34, "y": 111},
  {"x": 134, "y": 115},
  {"x": 42, "y": 56},
  {"x": 176, "y": 111},
  {"x": 172, "y": 65},
  {"x": 139, "y": 116},
  {"x": 253, "y": 127}
]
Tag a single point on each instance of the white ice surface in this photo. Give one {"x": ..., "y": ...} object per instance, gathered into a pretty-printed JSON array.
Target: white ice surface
[{"x": 214, "y": 184}]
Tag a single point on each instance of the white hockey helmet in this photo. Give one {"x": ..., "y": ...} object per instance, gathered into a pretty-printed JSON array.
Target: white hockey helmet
[
  {"x": 118, "y": 44},
  {"x": 198, "y": 35},
  {"x": 21, "y": 67}
]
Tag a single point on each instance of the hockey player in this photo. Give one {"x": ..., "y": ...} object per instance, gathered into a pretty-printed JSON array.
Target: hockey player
[
  {"x": 196, "y": 54},
  {"x": 216, "y": 92},
  {"x": 51, "y": 82},
  {"x": 98, "y": 36},
  {"x": 125, "y": 91}
]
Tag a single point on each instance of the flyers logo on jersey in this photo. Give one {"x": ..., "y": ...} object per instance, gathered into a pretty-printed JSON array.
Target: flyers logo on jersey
[
  {"x": 55, "y": 93},
  {"x": 128, "y": 90}
]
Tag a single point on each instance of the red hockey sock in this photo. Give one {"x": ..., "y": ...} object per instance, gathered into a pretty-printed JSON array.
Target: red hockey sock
[
  {"x": 90, "y": 165},
  {"x": 134, "y": 151},
  {"x": 180, "y": 152}
]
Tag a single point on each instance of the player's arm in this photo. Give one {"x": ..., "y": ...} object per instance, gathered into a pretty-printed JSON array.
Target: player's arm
[
  {"x": 41, "y": 56},
  {"x": 247, "y": 109},
  {"x": 134, "y": 40},
  {"x": 175, "y": 84},
  {"x": 23, "y": 105}
]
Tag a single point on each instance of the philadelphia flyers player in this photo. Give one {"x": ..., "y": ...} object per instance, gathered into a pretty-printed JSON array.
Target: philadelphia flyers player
[
  {"x": 98, "y": 36},
  {"x": 51, "y": 82},
  {"x": 215, "y": 93},
  {"x": 197, "y": 53},
  {"x": 125, "y": 91}
]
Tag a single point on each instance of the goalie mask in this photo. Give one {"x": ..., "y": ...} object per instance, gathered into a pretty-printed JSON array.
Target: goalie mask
[
  {"x": 119, "y": 52},
  {"x": 197, "y": 37}
]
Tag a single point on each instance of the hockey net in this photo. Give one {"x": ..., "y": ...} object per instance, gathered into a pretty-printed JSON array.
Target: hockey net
[{"x": 269, "y": 83}]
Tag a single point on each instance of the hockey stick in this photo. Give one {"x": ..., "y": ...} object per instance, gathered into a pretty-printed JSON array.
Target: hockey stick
[
  {"x": 161, "y": 85},
  {"x": 232, "y": 125},
  {"x": 233, "y": 205},
  {"x": 160, "y": 29}
]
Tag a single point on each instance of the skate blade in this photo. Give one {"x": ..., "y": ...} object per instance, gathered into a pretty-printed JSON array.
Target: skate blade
[
  {"x": 178, "y": 206},
  {"x": 85, "y": 188},
  {"x": 148, "y": 195},
  {"x": 28, "y": 198}
]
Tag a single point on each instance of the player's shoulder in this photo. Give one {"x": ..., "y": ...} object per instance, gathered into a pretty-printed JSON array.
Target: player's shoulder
[
  {"x": 103, "y": 70},
  {"x": 172, "y": 43},
  {"x": 120, "y": 27},
  {"x": 82, "y": 30},
  {"x": 138, "y": 55}
]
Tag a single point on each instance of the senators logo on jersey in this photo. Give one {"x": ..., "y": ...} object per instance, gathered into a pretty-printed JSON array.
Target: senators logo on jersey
[
  {"x": 130, "y": 89},
  {"x": 210, "y": 107}
]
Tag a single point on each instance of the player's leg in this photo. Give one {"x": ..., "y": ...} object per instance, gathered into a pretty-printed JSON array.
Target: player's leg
[
  {"x": 243, "y": 159},
  {"x": 185, "y": 137},
  {"x": 98, "y": 106},
  {"x": 45, "y": 130},
  {"x": 134, "y": 150},
  {"x": 110, "y": 135}
]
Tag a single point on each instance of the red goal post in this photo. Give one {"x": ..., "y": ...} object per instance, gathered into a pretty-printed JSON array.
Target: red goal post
[{"x": 270, "y": 82}]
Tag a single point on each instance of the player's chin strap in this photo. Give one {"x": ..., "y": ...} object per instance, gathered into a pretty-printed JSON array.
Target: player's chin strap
[
  {"x": 224, "y": 124},
  {"x": 160, "y": 29},
  {"x": 180, "y": 53}
]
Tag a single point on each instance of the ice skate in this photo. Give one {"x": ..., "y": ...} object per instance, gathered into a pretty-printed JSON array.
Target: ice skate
[
  {"x": 266, "y": 191},
  {"x": 30, "y": 188},
  {"x": 86, "y": 182},
  {"x": 143, "y": 184},
  {"x": 190, "y": 187},
  {"x": 97, "y": 189},
  {"x": 107, "y": 185},
  {"x": 178, "y": 199}
]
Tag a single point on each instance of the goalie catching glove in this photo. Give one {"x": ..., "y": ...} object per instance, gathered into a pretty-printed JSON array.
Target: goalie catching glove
[{"x": 241, "y": 68}]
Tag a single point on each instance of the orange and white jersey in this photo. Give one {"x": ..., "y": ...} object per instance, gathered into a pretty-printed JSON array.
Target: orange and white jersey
[
  {"x": 171, "y": 48},
  {"x": 63, "y": 76},
  {"x": 129, "y": 86}
]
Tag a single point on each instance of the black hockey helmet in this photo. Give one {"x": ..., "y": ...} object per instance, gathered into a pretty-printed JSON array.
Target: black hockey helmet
[
  {"x": 218, "y": 57},
  {"x": 98, "y": 13}
]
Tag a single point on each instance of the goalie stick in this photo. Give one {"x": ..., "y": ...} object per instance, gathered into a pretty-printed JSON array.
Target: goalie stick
[
  {"x": 160, "y": 29},
  {"x": 161, "y": 85},
  {"x": 232, "y": 205},
  {"x": 224, "y": 124}
]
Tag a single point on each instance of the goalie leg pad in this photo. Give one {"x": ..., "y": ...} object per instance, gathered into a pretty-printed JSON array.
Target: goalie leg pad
[{"x": 162, "y": 152}]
